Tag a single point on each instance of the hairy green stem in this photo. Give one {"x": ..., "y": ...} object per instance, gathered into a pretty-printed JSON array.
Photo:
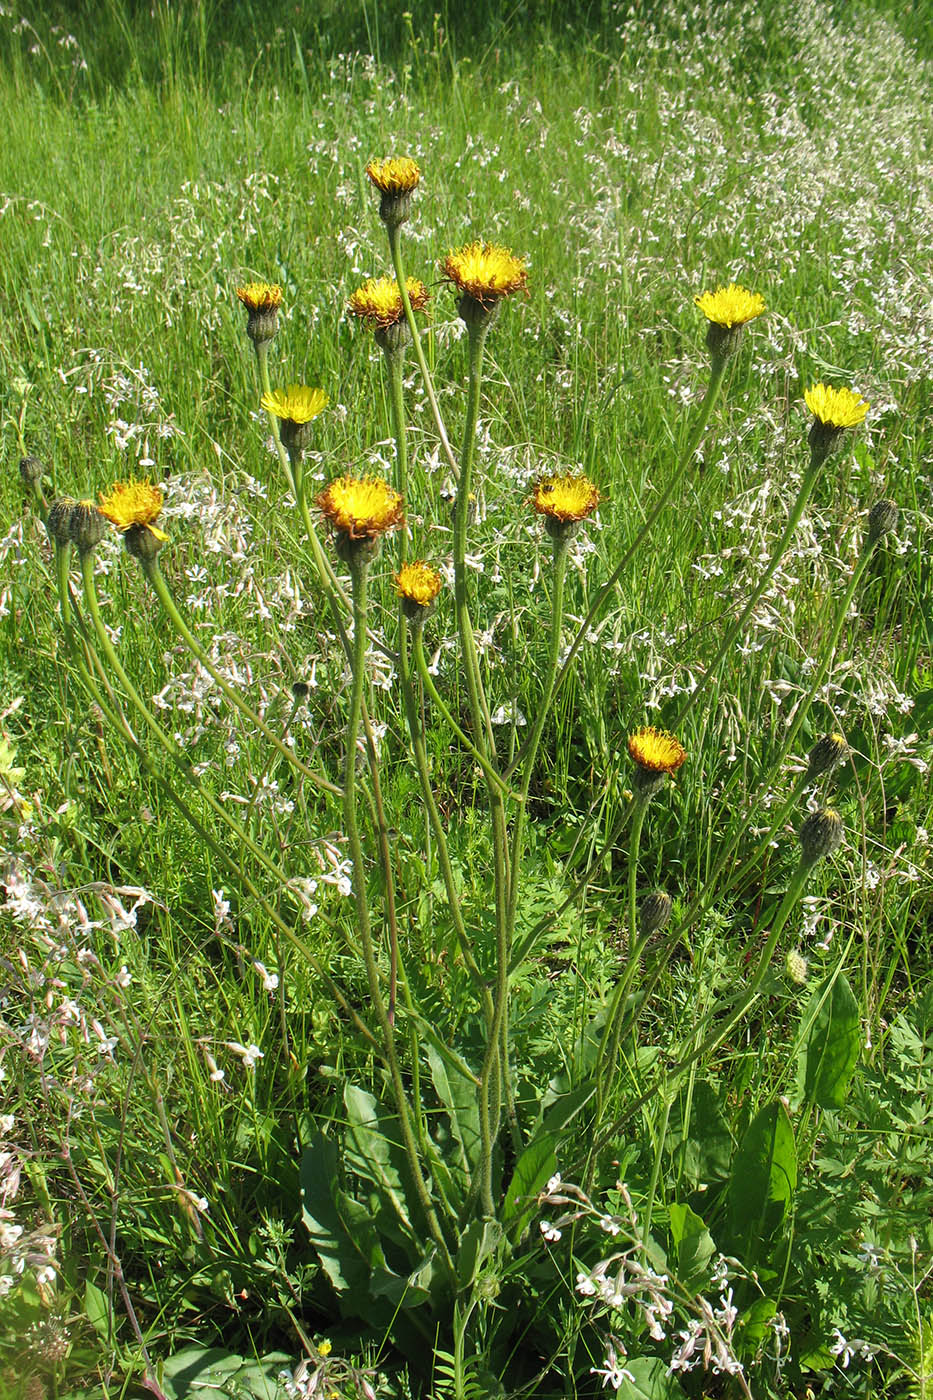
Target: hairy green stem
[{"x": 359, "y": 572}]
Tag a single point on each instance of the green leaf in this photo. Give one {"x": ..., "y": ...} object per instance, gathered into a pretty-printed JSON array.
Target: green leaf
[
  {"x": 458, "y": 1095},
  {"x": 533, "y": 1169},
  {"x": 203, "y": 1371},
  {"x": 479, "y": 1241},
  {"x": 97, "y": 1309},
  {"x": 830, "y": 1051},
  {"x": 652, "y": 1381},
  {"x": 693, "y": 1245},
  {"x": 753, "y": 1325},
  {"x": 345, "y": 1256},
  {"x": 374, "y": 1152},
  {"x": 764, "y": 1176}
]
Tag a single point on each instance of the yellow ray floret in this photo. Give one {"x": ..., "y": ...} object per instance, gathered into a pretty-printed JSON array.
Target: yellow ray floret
[
  {"x": 379, "y": 301},
  {"x": 656, "y": 751},
  {"x": 485, "y": 271},
  {"x": 837, "y": 408},
  {"x": 132, "y": 503},
  {"x": 397, "y": 175},
  {"x": 418, "y": 582},
  {"x": 731, "y": 306},
  {"x": 260, "y": 296},
  {"x": 297, "y": 403},
  {"x": 565, "y": 498},
  {"x": 363, "y": 507}
]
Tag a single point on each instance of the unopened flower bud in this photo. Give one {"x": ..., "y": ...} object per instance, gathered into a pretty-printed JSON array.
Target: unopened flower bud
[
  {"x": 86, "y": 526},
  {"x": 820, "y": 835},
  {"x": 30, "y": 470},
  {"x": 797, "y": 967},
  {"x": 58, "y": 523},
  {"x": 882, "y": 519},
  {"x": 654, "y": 913},
  {"x": 300, "y": 690},
  {"x": 142, "y": 543},
  {"x": 827, "y": 753}
]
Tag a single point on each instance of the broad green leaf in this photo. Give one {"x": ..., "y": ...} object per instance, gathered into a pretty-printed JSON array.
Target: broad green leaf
[
  {"x": 458, "y": 1095},
  {"x": 754, "y": 1323},
  {"x": 693, "y": 1244},
  {"x": 374, "y": 1152},
  {"x": 97, "y": 1308},
  {"x": 533, "y": 1169},
  {"x": 345, "y": 1256},
  {"x": 831, "y": 1048},
  {"x": 652, "y": 1381},
  {"x": 480, "y": 1239},
  {"x": 764, "y": 1176},
  {"x": 205, "y": 1371}
]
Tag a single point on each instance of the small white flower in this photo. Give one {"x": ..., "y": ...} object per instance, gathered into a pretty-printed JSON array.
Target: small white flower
[{"x": 550, "y": 1232}]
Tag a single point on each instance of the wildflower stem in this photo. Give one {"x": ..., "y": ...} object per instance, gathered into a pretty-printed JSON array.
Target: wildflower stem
[
  {"x": 793, "y": 520},
  {"x": 395, "y": 249},
  {"x": 428, "y": 681},
  {"x": 717, "y": 372},
  {"x": 110, "y": 709},
  {"x": 394, "y": 361},
  {"x": 359, "y": 574},
  {"x": 443, "y": 855},
  {"x": 156, "y": 579}
]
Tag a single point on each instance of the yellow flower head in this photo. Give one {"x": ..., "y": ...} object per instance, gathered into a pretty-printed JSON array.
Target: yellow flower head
[
  {"x": 379, "y": 302},
  {"x": 130, "y": 503},
  {"x": 418, "y": 582},
  {"x": 260, "y": 296},
  {"x": 485, "y": 271},
  {"x": 565, "y": 498},
  {"x": 396, "y": 175},
  {"x": 296, "y": 404},
  {"x": 656, "y": 751},
  {"x": 325, "y": 1348},
  {"x": 362, "y": 507},
  {"x": 730, "y": 306},
  {"x": 835, "y": 408}
]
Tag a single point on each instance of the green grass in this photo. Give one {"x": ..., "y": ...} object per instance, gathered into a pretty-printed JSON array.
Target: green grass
[{"x": 637, "y": 156}]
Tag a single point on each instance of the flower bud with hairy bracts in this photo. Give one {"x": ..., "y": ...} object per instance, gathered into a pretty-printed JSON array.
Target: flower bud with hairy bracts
[
  {"x": 142, "y": 543},
  {"x": 86, "y": 526},
  {"x": 654, "y": 913},
  {"x": 882, "y": 519},
  {"x": 820, "y": 835},
  {"x": 58, "y": 523},
  {"x": 827, "y": 753},
  {"x": 30, "y": 470}
]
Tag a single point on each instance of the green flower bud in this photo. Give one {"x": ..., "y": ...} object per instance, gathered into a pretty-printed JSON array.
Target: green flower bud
[
  {"x": 30, "y": 470},
  {"x": 825, "y": 755},
  {"x": 882, "y": 519},
  {"x": 820, "y": 835},
  {"x": 58, "y": 523},
  {"x": 86, "y": 526},
  {"x": 654, "y": 913}
]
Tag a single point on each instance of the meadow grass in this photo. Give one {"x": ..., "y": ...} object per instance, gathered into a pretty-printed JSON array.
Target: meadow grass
[{"x": 167, "y": 1055}]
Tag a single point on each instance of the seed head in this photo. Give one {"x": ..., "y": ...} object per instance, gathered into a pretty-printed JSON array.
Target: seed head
[{"x": 820, "y": 835}]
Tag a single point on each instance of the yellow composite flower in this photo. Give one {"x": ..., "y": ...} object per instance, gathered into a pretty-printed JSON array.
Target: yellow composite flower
[
  {"x": 656, "y": 751},
  {"x": 565, "y": 498},
  {"x": 730, "y": 306},
  {"x": 836, "y": 408},
  {"x": 296, "y": 404},
  {"x": 379, "y": 302},
  {"x": 362, "y": 507},
  {"x": 131, "y": 504},
  {"x": 396, "y": 175},
  {"x": 485, "y": 271},
  {"x": 418, "y": 582},
  {"x": 260, "y": 296}
]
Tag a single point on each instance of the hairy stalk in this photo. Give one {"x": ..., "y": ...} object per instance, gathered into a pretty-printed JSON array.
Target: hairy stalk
[
  {"x": 719, "y": 1033},
  {"x": 427, "y": 681},
  {"x": 807, "y": 484},
  {"x": 156, "y": 579},
  {"x": 394, "y": 361},
  {"x": 359, "y": 570},
  {"x": 702, "y": 419},
  {"x": 90, "y": 663},
  {"x": 489, "y": 1095},
  {"x": 395, "y": 248}
]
